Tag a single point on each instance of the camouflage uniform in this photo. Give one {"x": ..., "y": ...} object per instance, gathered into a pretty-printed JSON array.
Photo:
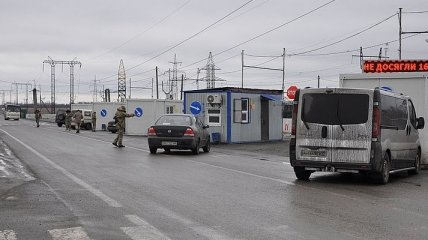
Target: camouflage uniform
[
  {"x": 37, "y": 115},
  {"x": 94, "y": 121},
  {"x": 78, "y": 120},
  {"x": 68, "y": 117},
  {"x": 120, "y": 125}
]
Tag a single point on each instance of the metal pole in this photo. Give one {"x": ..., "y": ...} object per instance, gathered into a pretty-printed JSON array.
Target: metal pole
[
  {"x": 157, "y": 84},
  {"x": 283, "y": 71},
  {"x": 130, "y": 87},
  {"x": 152, "y": 88},
  {"x": 399, "y": 34},
  {"x": 318, "y": 81},
  {"x": 182, "y": 80},
  {"x": 242, "y": 70}
]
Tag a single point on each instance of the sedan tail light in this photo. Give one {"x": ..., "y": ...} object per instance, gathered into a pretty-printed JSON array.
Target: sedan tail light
[
  {"x": 189, "y": 133},
  {"x": 151, "y": 132}
]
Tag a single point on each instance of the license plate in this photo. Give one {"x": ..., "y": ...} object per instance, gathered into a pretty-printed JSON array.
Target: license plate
[
  {"x": 313, "y": 153},
  {"x": 169, "y": 143}
]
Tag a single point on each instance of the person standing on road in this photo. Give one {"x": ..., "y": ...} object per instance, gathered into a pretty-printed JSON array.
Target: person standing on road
[
  {"x": 120, "y": 116},
  {"x": 37, "y": 116},
  {"x": 68, "y": 117},
  {"x": 78, "y": 120},
  {"x": 94, "y": 121}
]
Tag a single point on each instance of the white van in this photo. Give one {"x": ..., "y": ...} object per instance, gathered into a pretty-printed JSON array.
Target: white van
[
  {"x": 86, "y": 120},
  {"x": 354, "y": 130}
]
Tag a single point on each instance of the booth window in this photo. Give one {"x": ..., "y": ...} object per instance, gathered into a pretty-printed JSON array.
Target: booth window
[
  {"x": 241, "y": 110},
  {"x": 214, "y": 117},
  {"x": 169, "y": 109}
]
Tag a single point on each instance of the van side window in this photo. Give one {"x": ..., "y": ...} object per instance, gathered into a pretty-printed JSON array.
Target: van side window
[
  {"x": 412, "y": 114},
  {"x": 394, "y": 112},
  {"x": 402, "y": 113}
]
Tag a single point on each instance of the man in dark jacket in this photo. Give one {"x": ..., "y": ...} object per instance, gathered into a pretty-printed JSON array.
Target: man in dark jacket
[{"x": 120, "y": 125}]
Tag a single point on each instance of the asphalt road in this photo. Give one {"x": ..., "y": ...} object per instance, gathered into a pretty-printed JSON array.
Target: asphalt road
[{"x": 82, "y": 187}]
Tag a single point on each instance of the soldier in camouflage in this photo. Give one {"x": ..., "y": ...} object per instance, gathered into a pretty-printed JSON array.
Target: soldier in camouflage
[
  {"x": 94, "y": 121},
  {"x": 120, "y": 124},
  {"x": 68, "y": 116}
]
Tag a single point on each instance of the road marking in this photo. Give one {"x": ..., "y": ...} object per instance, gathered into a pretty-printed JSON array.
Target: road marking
[
  {"x": 76, "y": 233},
  {"x": 143, "y": 230},
  {"x": 246, "y": 173},
  {"x": 7, "y": 235},
  {"x": 96, "y": 192}
]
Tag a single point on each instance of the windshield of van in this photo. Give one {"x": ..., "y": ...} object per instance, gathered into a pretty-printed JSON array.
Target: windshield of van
[{"x": 335, "y": 109}]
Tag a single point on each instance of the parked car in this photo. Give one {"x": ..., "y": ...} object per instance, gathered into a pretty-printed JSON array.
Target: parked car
[
  {"x": 179, "y": 131},
  {"x": 60, "y": 117},
  {"x": 111, "y": 126},
  {"x": 374, "y": 132}
]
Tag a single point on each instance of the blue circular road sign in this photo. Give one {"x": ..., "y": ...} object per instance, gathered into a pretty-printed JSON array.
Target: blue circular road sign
[
  {"x": 138, "y": 112},
  {"x": 103, "y": 112},
  {"x": 195, "y": 107}
]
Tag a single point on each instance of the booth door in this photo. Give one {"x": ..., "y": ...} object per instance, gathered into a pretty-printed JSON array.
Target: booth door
[{"x": 264, "y": 119}]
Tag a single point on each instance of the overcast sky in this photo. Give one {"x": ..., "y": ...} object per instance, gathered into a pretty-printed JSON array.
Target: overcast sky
[{"x": 146, "y": 34}]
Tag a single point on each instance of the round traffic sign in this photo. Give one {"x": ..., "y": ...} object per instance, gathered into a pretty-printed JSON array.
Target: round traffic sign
[
  {"x": 291, "y": 92},
  {"x": 138, "y": 112},
  {"x": 195, "y": 107},
  {"x": 103, "y": 112}
]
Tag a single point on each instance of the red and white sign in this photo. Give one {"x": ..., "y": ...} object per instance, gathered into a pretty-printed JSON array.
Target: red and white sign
[{"x": 291, "y": 92}]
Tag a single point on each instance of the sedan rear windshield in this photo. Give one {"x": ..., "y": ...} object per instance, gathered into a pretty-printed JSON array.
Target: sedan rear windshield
[
  {"x": 335, "y": 109},
  {"x": 174, "y": 120}
]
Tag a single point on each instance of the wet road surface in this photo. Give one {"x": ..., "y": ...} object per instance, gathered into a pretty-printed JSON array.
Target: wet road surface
[{"x": 85, "y": 188}]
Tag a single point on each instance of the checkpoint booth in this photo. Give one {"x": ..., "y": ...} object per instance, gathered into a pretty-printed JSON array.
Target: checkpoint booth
[
  {"x": 105, "y": 113},
  {"x": 147, "y": 111},
  {"x": 409, "y": 77}
]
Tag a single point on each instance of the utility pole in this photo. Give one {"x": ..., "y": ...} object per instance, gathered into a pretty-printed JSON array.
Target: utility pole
[
  {"x": 157, "y": 83},
  {"x": 182, "y": 80},
  {"x": 283, "y": 71},
  {"x": 242, "y": 69},
  {"x": 318, "y": 81},
  {"x": 95, "y": 93},
  {"x": 130, "y": 87},
  {"x": 152, "y": 88},
  {"x": 26, "y": 91},
  {"x": 52, "y": 63},
  {"x": 210, "y": 68},
  {"x": 401, "y": 32}
]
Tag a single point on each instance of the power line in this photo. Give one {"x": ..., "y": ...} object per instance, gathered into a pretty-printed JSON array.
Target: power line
[
  {"x": 146, "y": 30},
  {"x": 192, "y": 36},
  {"x": 265, "y": 33},
  {"x": 346, "y": 38}
]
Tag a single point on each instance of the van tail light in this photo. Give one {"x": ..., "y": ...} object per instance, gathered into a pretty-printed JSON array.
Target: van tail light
[
  {"x": 294, "y": 113},
  {"x": 151, "y": 132},
  {"x": 189, "y": 133},
  {"x": 376, "y": 122}
]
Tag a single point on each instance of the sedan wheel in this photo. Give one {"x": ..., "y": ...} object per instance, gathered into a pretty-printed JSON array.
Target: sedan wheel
[
  {"x": 207, "y": 147},
  {"x": 153, "y": 150},
  {"x": 196, "y": 149}
]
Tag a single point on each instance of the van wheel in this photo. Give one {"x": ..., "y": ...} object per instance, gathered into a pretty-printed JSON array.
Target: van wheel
[
  {"x": 153, "y": 150},
  {"x": 59, "y": 124},
  {"x": 383, "y": 176},
  {"x": 417, "y": 164},
  {"x": 301, "y": 173}
]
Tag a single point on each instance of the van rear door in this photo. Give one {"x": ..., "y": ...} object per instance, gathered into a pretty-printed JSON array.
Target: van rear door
[
  {"x": 334, "y": 125},
  {"x": 353, "y": 135}
]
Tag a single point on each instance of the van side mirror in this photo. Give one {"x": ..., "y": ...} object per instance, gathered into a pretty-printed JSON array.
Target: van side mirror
[
  {"x": 206, "y": 126},
  {"x": 421, "y": 123}
]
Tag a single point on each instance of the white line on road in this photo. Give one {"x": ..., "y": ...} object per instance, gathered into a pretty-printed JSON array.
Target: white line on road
[
  {"x": 246, "y": 173},
  {"x": 96, "y": 192},
  {"x": 143, "y": 230},
  {"x": 7, "y": 235},
  {"x": 76, "y": 233}
]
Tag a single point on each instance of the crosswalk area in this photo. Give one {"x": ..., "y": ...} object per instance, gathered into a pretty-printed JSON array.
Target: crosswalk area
[{"x": 140, "y": 230}]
